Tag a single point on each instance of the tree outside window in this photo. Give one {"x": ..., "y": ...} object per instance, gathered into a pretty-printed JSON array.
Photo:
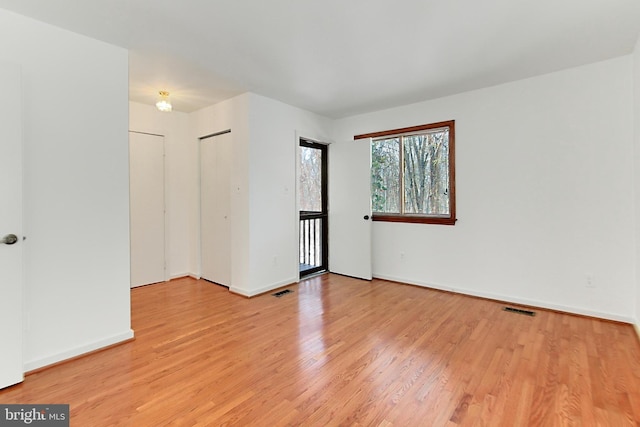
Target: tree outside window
[{"x": 413, "y": 174}]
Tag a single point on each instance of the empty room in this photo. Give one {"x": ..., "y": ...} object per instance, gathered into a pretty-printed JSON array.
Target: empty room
[{"x": 310, "y": 213}]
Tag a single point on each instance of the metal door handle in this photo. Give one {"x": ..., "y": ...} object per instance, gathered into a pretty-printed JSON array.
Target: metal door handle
[
  {"x": 366, "y": 217},
  {"x": 9, "y": 239}
]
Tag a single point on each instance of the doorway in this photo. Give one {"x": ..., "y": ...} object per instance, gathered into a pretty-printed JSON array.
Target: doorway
[
  {"x": 313, "y": 199},
  {"x": 147, "y": 208},
  {"x": 215, "y": 208}
]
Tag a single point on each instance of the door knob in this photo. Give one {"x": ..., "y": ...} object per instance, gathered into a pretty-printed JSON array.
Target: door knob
[
  {"x": 9, "y": 239},
  {"x": 366, "y": 217}
]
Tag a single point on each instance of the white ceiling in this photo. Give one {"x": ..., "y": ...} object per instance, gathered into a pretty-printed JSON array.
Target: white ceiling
[{"x": 342, "y": 57}]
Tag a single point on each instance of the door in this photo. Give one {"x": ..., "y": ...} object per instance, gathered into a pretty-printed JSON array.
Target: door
[
  {"x": 11, "y": 366},
  {"x": 146, "y": 182},
  {"x": 350, "y": 208},
  {"x": 215, "y": 208},
  {"x": 313, "y": 202}
]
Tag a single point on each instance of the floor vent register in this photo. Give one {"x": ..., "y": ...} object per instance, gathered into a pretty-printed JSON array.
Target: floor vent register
[{"x": 520, "y": 311}]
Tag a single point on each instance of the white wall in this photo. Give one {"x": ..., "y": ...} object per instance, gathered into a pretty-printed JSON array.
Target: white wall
[
  {"x": 263, "y": 189},
  {"x": 230, "y": 114},
  {"x": 274, "y": 131},
  {"x": 76, "y": 207},
  {"x": 544, "y": 172},
  {"x": 174, "y": 127}
]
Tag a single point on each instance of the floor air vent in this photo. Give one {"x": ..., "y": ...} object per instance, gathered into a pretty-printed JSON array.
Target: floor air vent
[
  {"x": 281, "y": 293},
  {"x": 520, "y": 311}
]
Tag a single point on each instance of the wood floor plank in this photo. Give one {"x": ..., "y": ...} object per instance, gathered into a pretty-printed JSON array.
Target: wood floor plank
[{"x": 345, "y": 352}]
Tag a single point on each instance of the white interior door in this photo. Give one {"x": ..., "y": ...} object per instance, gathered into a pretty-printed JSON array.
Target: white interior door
[
  {"x": 350, "y": 208},
  {"x": 146, "y": 163},
  {"x": 215, "y": 208},
  {"x": 11, "y": 331}
]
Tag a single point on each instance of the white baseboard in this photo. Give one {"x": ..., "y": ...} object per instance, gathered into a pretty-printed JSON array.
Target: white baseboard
[
  {"x": 262, "y": 290},
  {"x": 77, "y": 351},
  {"x": 514, "y": 300},
  {"x": 636, "y": 326},
  {"x": 179, "y": 276}
]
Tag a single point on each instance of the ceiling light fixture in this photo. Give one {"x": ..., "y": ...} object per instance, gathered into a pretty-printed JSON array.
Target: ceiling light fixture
[{"x": 163, "y": 103}]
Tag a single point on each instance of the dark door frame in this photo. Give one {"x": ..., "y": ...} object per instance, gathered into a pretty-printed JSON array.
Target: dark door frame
[{"x": 322, "y": 216}]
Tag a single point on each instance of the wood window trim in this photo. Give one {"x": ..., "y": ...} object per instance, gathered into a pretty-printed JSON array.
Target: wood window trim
[{"x": 423, "y": 219}]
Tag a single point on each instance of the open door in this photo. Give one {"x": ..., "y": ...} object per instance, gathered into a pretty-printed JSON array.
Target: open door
[
  {"x": 11, "y": 242},
  {"x": 147, "y": 214},
  {"x": 215, "y": 208},
  {"x": 350, "y": 208}
]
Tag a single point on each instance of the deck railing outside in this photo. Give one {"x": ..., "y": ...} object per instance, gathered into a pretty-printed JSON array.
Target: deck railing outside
[{"x": 310, "y": 243}]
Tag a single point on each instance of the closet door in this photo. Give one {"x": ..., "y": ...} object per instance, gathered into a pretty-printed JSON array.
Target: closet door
[
  {"x": 11, "y": 239},
  {"x": 146, "y": 182},
  {"x": 215, "y": 201}
]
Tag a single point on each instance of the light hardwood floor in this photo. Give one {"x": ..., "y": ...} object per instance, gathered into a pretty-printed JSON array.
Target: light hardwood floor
[{"x": 340, "y": 351}]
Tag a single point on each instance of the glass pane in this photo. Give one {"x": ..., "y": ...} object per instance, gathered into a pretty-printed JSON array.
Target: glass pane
[
  {"x": 310, "y": 188},
  {"x": 426, "y": 173},
  {"x": 385, "y": 175}
]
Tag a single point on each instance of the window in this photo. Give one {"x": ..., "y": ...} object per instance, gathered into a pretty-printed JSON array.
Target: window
[{"x": 413, "y": 174}]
